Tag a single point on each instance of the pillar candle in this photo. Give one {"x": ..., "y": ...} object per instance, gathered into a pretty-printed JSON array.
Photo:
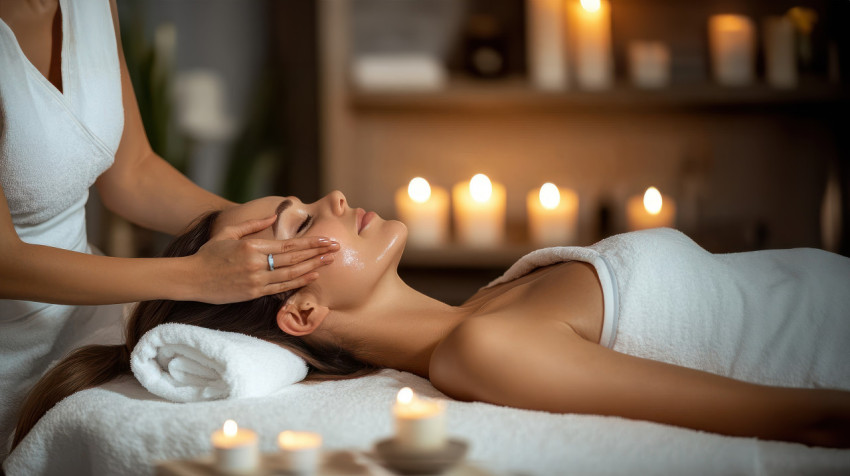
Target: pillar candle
[
  {"x": 652, "y": 210},
  {"x": 649, "y": 64},
  {"x": 479, "y": 212},
  {"x": 589, "y": 28},
  {"x": 425, "y": 211},
  {"x": 547, "y": 45},
  {"x": 235, "y": 449},
  {"x": 780, "y": 60},
  {"x": 419, "y": 424},
  {"x": 299, "y": 451},
  {"x": 732, "y": 45},
  {"x": 552, "y": 215}
]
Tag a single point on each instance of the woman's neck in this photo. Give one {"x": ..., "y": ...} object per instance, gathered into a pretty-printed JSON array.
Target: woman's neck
[{"x": 399, "y": 328}]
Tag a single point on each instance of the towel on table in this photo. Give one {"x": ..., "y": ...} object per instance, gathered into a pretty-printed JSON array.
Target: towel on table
[{"x": 185, "y": 363}]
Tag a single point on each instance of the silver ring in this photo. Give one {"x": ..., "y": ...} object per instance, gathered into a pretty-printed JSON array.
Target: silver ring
[{"x": 271, "y": 262}]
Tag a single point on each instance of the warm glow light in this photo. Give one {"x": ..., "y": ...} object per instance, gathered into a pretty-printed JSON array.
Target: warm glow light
[
  {"x": 419, "y": 190},
  {"x": 480, "y": 188},
  {"x": 294, "y": 440},
  {"x": 550, "y": 196},
  {"x": 405, "y": 396},
  {"x": 652, "y": 201},
  {"x": 286, "y": 439},
  {"x": 591, "y": 5},
  {"x": 230, "y": 429}
]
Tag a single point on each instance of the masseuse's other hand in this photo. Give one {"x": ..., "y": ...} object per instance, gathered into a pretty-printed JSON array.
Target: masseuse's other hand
[{"x": 231, "y": 269}]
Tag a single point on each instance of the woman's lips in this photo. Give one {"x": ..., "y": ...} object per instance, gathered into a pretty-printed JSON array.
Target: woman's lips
[{"x": 365, "y": 219}]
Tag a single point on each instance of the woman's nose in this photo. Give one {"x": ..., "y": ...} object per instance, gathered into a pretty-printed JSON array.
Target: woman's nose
[{"x": 337, "y": 202}]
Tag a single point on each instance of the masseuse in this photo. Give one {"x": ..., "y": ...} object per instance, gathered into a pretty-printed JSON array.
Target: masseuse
[{"x": 69, "y": 119}]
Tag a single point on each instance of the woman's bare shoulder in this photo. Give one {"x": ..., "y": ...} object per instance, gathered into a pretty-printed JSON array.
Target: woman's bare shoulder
[
  {"x": 480, "y": 358},
  {"x": 458, "y": 361}
]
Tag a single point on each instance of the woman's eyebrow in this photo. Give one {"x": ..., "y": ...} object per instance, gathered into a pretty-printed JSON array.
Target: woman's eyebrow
[{"x": 283, "y": 205}]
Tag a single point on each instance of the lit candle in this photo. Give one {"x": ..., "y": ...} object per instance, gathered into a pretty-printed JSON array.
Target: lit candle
[
  {"x": 652, "y": 210},
  {"x": 479, "y": 212},
  {"x": 299, "y": 451},
  {"x": 732, "y": 45},
  {"x": 419, "y": 424},
  {"x": 236, "y": 449},
  {"x": 552, "y": 215},
  {"x": 590, "y": 32},
  {"x": 649, "y": 64},
  {"x": 546, "y": 44},
  {"x": 425, "y": 211}
]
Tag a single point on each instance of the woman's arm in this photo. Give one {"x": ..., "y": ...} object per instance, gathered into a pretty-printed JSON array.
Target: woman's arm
[
  {"x": 225, "y": 270},
  {"x": 556, "y": 370},
  {"x": 140, "y": 185}
]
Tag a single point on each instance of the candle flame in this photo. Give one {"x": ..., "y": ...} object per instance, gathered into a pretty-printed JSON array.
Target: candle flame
[
  {"x": 230, "y": 428},
  {"x": 405, "y": 396},
  {"x": 419, "y": 190},
  {"x": 480, "y": 188},
  {"x": 652, "y": 201},
  {"x": 550, "y": 196},
  {"x": 591, "y": 5}
]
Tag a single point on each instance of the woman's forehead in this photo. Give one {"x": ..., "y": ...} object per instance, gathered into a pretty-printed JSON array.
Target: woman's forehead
[{"x": 253, "y": 210}]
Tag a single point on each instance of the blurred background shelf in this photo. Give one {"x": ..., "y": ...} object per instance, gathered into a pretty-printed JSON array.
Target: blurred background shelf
[
  {"x": 515, "y": 95},
  {"x": 464, "y": 257},
  {"x": 749, "y": 167}
]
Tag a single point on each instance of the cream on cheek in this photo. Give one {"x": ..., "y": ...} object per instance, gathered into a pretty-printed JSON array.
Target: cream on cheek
[{"x": 351, "y": 258}]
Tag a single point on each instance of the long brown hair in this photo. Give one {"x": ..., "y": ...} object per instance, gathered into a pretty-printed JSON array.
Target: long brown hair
[{"x": 95, "y": 365}]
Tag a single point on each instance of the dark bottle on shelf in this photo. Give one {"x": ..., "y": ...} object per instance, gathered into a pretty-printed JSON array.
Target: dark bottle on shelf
[{"x": 485, "y": 47}]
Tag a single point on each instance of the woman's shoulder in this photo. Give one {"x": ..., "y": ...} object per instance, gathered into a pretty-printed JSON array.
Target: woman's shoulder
[{"x": 466, "y": 356}]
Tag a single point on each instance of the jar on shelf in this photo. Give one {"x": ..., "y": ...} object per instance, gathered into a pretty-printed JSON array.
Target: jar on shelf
[{"x": 485, "y": 47}]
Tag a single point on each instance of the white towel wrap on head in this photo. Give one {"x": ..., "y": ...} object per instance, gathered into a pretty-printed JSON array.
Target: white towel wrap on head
[{"x": 185, "y": 363}]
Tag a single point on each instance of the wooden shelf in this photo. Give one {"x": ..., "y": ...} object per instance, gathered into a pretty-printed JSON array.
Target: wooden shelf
[{"x": 516, "y": 95}]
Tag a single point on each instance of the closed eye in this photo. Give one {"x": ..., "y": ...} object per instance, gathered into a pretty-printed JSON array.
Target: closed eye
[{"x": 304, "y": 224}]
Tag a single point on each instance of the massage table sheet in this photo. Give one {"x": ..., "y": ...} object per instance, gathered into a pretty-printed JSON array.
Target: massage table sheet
[{"x": 120, "y": 428}]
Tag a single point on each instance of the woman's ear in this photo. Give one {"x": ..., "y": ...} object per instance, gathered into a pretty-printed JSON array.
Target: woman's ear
[{"x": 301, "y": 314}]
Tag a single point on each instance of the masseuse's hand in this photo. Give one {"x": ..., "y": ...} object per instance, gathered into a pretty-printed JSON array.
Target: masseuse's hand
[{"x": 232, "y": 269}]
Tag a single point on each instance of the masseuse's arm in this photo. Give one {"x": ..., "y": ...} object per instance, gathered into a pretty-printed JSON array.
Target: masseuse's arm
[
  {"x": 225, "y": 270},
  {"x": 140, "y": 185},
  {"x": 564, "y": 373}
]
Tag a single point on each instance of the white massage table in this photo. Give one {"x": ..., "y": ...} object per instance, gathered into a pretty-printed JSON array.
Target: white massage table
[{"x": 120, "y": 428}]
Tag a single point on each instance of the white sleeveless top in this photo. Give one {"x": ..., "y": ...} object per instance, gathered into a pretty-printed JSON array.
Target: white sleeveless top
[{"x": 53, "y": 145}]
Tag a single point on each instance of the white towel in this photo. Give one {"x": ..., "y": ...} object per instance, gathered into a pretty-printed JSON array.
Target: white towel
[
  {"x": 185, "y": 363},
  {"x": 118, "y": 429},
  {"x": 777, "y": 317}
]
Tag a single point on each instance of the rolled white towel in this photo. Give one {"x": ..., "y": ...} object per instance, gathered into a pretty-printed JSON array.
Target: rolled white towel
[{"x": 185, "y": 363}]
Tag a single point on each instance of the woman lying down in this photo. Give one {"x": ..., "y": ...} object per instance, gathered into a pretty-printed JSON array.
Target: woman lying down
[{"x": 643, "y": 325}]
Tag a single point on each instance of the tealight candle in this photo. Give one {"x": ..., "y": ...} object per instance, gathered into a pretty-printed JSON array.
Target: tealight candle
[
  {"x": 552, "y": 215},
  {"x": 425, "y": 211},
  {"x": 479, "y": 212},
  {"x": 299, "y": 451},
  {"x": 650, "y": 211},
  {"x": 590, "y": 28},
  {"x": 419, "y": 424},
  {"x": 236, "y": 449},
  {"x": 732, "y": 45}
]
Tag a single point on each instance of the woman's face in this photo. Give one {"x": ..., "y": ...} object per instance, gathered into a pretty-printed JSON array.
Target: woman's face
[{"x": 370, "y": 246}]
